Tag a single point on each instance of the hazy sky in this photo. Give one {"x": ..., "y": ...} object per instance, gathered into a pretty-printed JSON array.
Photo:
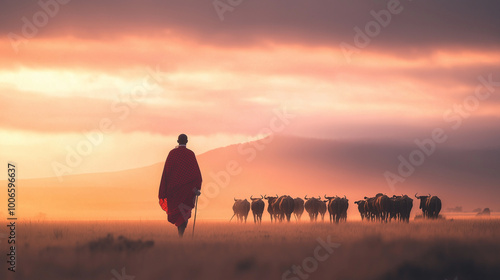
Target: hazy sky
[{"x": 141, "y": 72}]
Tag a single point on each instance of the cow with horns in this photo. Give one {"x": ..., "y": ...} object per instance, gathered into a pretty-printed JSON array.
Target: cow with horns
[
  {"x": 430, "y": 205},
  {"x": 270, "y": 206},
  {"x": 285, "y": 206},
  {"x": 337, "y": 207},
  {"x": 257, "y": 207},
  {"x": 312, "y": 206}
]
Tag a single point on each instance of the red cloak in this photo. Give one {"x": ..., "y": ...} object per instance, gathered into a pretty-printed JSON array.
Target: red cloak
[{"x": 180, "y": 179}]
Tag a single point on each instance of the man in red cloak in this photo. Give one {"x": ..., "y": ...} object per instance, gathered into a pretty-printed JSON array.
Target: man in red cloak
[{"x": 180, "y": 183}]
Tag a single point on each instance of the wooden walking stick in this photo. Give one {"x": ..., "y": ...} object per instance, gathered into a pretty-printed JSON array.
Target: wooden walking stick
[{"x": 195, "y": 210}]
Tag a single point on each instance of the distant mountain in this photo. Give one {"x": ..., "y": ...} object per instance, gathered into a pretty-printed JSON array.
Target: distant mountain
[{"x": 275, "y": 165}]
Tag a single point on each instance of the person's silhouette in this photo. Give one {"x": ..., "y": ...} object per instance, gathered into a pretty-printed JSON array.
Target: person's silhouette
[{"x": 180, "y": 183}]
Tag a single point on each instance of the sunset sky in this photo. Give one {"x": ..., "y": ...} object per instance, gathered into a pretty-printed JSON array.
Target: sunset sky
[{"x": 149, "y": 70}]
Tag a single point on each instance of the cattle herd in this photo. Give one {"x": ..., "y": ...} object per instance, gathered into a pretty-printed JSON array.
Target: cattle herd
[{"x": 378, "y": 208}]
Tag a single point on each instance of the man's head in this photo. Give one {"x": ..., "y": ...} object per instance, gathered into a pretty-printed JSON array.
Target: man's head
[{"x": 182, "y": 139}]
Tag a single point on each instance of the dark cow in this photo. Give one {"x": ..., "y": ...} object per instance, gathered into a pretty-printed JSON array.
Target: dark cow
[
  {"x": 298, "y": 207},
  {"x": 344, "y": 202},
  {"x": 286, "y": 206},
  {"x": 334, "y": 208},
  {"x": 241, "y": 208},
  {"x": 406, "y": 208},
  {"x": 485, "y": 212},
  {"x": 430, "y": 205},
  {"x": 361, "y": 208},
  {"x": 270, "y": 206},
  {"x": 401, "y": 208},
  {"x": 312, "y": 207},
  {"x": 337, "y": 207},
  {"x": 370, "y": 209},
  {"x": 433, "y": 207},
  {"x": 383, "y": 205},
  {"x": 278, "y": 213},
  {"x": 378, "y": 207},
  {"x": 257, "y": 207},
  {"x": 395, "y": 208}
]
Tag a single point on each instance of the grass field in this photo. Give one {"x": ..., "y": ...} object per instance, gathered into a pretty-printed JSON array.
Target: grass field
[{"x": 446, "y": 249}]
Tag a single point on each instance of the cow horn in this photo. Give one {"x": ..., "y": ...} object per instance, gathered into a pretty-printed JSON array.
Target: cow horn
[
  {"x": 345, "y": 197},
  {"x": 251, "y": 197},
  {"x": 277, "y": 196},
  {"x": 265, "y": 196},
  {"x": 319, "y": 197},
  {"x": 416, "y": 195},
  {"x": 235, "y": 199},
  {"x": 305, "y": 197},
  {"x": 261, "y": 197}
]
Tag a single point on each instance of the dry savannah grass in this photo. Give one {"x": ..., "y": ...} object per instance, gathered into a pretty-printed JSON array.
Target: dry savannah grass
[{"x": 444, "y": 249}]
